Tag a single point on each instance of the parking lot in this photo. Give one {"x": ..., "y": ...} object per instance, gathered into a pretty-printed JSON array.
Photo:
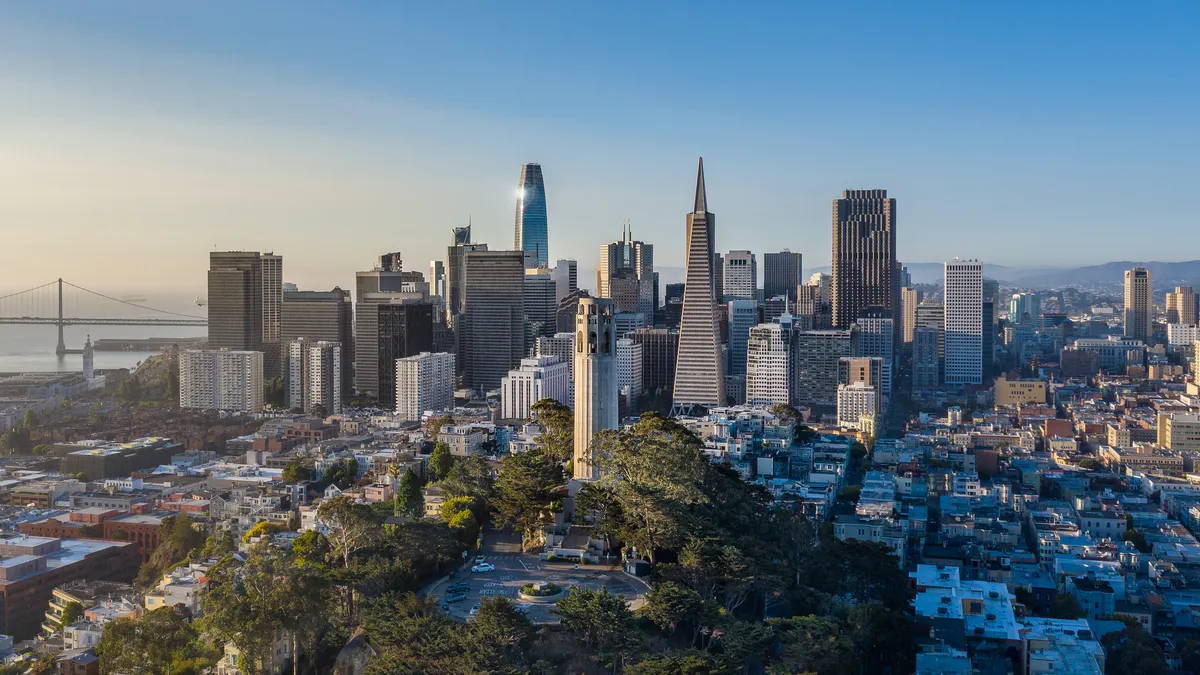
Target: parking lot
[{"x": 514, "y": 570}]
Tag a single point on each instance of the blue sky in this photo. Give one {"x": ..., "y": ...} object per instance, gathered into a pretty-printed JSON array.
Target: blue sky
[{"x": 1027, "y": 134}]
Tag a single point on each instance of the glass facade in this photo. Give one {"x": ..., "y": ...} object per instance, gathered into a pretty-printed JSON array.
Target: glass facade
[{"x": 531, "y": 226}]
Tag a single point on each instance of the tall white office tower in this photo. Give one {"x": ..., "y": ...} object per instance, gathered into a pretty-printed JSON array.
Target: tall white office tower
[
  {"x": 964, "y": 322},
  {"x": 314, "y": 375},
  {"x": 769, "y": 363},
  {"x": 740, "y": 275},
  {"x": 629, "y": 369},
  {"x": 424, "y": 382},
  {"x": 536, "y": 378},
  {"x": 699, "y": 372},
  {"x": 596, "y": 406}
]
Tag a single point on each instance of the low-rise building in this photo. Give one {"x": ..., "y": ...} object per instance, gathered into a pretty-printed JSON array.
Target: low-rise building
[
  {"x": 1019, "y": 392},
  {"x": 879, "y": 531}
]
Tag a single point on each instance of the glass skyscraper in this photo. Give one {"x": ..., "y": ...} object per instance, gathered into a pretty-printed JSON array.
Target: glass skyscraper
[{"x": 531, "y": 226}]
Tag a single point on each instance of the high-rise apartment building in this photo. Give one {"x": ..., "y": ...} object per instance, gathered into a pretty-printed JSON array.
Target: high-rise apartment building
[
  {"x": 782, "y": 273},
  {"x": 1139, "y": 304},
  {"x": 404, "y": 328},
  {"x": 769, "y": 363},
  {"x": 864, "y": 254},
  {"x": 491, "y": 326},
  {"x": 625, "y": 274},
  {"x": 963, "y": 340},
  {"x": 875, "y": 337},
  {"x": 322, "y": 316},
  {"x": 235, "y": 297},
  {"x": 1181, "y": 306},
  {"x": 926, "y": 364},
  {"x": 659, "y": 349},
  {"x": 314, "y": 376},
  {"x": 857, "y": 406},
  {"x": 742, "y": 316},
  {"x": 424, "y": 382},
  {"x": 596, "y": 404},
  {"x": 536, "y": 378},
  {"x": 385, "y": 283},
  {"x": 815, "y": 374},
  {"x": 699, "y": 375},
  {"x": 740, "y": 276},
  {"x": 909, "y": 299},
  {"x": 865, "y": 369},
  {"x": 531, "y": 230},
  {"x": 221, "y": 379}
]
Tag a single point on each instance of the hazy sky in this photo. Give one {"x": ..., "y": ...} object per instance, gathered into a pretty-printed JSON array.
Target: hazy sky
[{"x": 135, "y": 137}]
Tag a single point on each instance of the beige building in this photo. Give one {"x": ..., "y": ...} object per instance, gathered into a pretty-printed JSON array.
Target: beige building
[
  {"x": 909, "y": 299},
  {"x": 1179, "y": 431},
  {"x": 1181, "y": 306},
  {"x": 1147, "y": 458},
  {"x": 1020, "y": 392},
  {"x": 1139, "y": 306}
]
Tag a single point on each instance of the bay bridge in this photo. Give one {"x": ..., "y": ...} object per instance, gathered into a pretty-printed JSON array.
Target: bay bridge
[{"x": 44, "y": 305}]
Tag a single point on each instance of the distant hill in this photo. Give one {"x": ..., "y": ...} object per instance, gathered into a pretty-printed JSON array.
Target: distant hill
[{"x": 1166, "y": 274}]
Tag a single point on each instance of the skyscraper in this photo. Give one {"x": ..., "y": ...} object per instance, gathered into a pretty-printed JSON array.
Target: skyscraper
[
  {"x": 437, "y": 288},
  {"x": 404, "y": 328},
  {"x": 742, "y": 316},
  {"x": 460, "y": 245},
  {"x": 531, "y": 234},
  {"x": 272, "y": 302},
  {"x": 626, "y": 274},
  {"x": 769, "y": 363},
  {"x": 782, "y": 273},
  {"x": 876, "y": 338},
  {"x": 596, "y": 405},
  {"x": 235, "y": 295},
  {"x": 1139, "y": 305},
  {"x": 909, "y": 299},
  {"x": 491, "y": 326},
  {"x": 1181, "y": 306},
  {"x": 385, "y": 283},
  {"x": 322, "y": 315},
  {"x": 537, "y": 378},
  {"x": 964, "y": 322},
  {"x": 540, "y": 306},
  {"x": 815, "y": 374},
  {"x": 864, "y": 254},
  {"x": 926, "y": 364},
  {"x": 699, "y": 376},
  {"x": 659, "y": 348},
  {"x": 741, "y": 275},
  {"x": 566, "y": 278}
]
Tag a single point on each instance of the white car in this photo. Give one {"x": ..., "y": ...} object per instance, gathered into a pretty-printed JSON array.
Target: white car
[
  {"x": 483, "y": 567},
  {"x": 479, "y": 560}
]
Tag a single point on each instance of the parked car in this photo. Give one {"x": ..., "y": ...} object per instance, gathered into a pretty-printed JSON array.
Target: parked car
[
  {"x": 475, "y": 609},
  {"x": 522, "y": 609},
  {"x": 455, "y": 597},
  {"x": 483, "y": 567},
  {"x": 460, "y": 587},
  {"x": 479, "y": 559}
]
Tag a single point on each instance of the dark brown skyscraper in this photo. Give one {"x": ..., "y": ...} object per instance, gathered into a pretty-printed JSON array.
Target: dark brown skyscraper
[
  {"x": 781, "y": 274},
  {"x": 491, "y": 337},
  {"x": 864, "y": 254},
  {"x": 235, "y": 300},
  {"x": 322, "y": 316},
  {"x": 405, "y": 328}
]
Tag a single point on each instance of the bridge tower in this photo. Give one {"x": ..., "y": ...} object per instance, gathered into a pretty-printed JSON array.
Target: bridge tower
[{"x": 62, "y": 345}]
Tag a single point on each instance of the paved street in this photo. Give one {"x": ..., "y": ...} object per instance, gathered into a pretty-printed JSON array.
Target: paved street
[{"x": 514, "y": 570}]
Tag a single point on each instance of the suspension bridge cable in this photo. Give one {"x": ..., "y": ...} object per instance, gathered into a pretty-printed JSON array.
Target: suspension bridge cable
[
  {"x": 29, "y": 290},
  {"x": 131, "y": 304}
]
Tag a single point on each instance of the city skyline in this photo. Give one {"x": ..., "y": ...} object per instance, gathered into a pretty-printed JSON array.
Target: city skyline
[{"x": 261, "y": 147}]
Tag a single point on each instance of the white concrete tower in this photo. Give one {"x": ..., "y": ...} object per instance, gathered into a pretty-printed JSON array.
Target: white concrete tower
[{"x": 595, "y": 379}]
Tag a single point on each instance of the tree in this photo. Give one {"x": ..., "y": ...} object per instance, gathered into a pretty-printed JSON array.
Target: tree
[
  {"x": 1090, "y": 464},
  {"x": 602, "y": 621},
  {"x": 178, "y": 537},
  {"x": 296, "y": 471},
  {"x": 1064, "y": 606},
  {"x": 557, "y": 439},
  {"x": 1138, "y": 540},
  {"x": 72, "y": 612},
  {"x": 274, "y": 394},
  {"x": 262, "y": 528},
  {"x": 470, "y": 477},
  {"x": 350, "y": 526},
  {"x": 30, "y": 420},
  {"x": 440, "y": 461},
  {"x": 409, "y": 499},
  {"x": 1133, "y": 652},
  {"x": 669, "y": 604},
  {"x": 525, "y": 487},
  {"x": 268, "y": 597},
  {"x": 690, "y": 662},
  {"x": 434, "y": 424},
  {"x": 158, "y": 642},
  {"x": 811, "y": 644},
  {"x": 882, "y": 638},
  {"x": 503, "y": 629}
]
